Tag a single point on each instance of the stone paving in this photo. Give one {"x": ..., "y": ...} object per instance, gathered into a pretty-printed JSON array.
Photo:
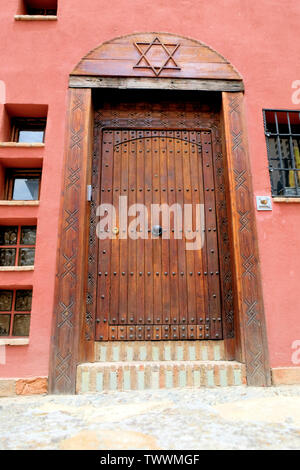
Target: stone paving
[{"x": 185, "y": 419}]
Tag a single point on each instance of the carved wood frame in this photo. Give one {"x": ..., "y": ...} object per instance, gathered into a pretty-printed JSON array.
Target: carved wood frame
[
  {"x": 163, "y": 118},
  {"x": 69, "y": 346}
]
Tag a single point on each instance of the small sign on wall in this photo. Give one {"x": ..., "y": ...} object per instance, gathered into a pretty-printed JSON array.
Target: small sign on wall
[{"x": 263, "y": 203}]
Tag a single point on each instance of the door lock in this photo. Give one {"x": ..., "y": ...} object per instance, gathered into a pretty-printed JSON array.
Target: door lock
[{"x": 157, "y": 230}]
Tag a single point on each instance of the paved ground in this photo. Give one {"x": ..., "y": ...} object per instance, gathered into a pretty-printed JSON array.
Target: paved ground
[{"x": 227, "y": 418}]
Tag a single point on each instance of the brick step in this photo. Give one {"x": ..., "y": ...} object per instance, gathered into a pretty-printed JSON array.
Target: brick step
[
  {"x": 104, "y": 376},
  {"x": 114, "y": 351}
]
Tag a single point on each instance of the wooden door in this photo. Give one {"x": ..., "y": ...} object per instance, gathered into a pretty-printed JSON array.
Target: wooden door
[{"x": 150, "y": 286}]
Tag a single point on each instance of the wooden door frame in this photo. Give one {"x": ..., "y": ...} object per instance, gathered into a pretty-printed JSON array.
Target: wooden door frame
[{"x": 69, "y": 346}]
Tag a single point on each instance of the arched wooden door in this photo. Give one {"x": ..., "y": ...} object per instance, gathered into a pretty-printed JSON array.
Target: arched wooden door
[
  {"x": 165, "y": 156},
  {"x": 158, "y": 279},
  {"x": 166, "y": 62}
]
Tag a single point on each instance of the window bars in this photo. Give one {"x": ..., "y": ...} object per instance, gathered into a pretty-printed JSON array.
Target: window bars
[{"x": 282, "y": 131}]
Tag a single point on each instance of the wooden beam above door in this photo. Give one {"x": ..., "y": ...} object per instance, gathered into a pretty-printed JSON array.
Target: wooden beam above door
[{"x": 150, "y": 83}]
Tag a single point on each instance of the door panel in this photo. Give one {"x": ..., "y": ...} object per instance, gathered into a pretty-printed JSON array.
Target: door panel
[{"x": 152, "y": 287}]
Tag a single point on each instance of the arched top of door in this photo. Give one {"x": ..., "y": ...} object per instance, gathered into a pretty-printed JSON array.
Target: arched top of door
[{"x": 156, "y": 55}]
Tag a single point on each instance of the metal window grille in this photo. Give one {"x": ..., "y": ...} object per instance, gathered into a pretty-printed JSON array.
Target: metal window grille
[{"x": 282, "y": 131}]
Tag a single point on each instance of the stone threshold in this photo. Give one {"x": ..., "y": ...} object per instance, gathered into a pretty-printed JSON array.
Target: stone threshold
[
  {"x": 180, "y": 350},
  {"x": 107, "y": 376}
]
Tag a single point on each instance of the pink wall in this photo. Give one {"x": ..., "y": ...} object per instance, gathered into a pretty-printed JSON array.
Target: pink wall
[{"x": 259, "y": 37}]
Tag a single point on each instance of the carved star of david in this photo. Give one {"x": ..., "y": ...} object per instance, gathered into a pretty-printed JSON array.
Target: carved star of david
[{"x": 167, "y": 64}]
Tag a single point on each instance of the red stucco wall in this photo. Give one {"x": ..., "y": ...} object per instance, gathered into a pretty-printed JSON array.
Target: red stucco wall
[{"x": 259, "y": 37}]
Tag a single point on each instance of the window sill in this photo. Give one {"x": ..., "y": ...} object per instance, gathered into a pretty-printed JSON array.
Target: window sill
[
  {"x": 35, "y": 17},
  {"x": 16, "y": 268},
  {"x": 14, "y": 341},
  {"x": 287, "y": 199},
  {"x": 21, "y": 144},
  {"x": 19, "y": 203}
]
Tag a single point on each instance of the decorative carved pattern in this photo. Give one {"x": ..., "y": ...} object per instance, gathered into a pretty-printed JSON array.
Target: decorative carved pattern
[
  {"x": 240, "y": 179},
  {"x": 72, "y": 220},
  {"x": 249, "y": 294},
  {"x": 237, "y": 140},
  {"x": 158, "y": 54},
  {"x": 244, "y": 220},
  {"x": 248, "y": 264},
  {"x": 73, "y": 177},
  {"x": 69, "y": 266},
  {"x": 160, "y": 116},
  {"x": 167, "y": 61},
  {"x": 68, "y": 291},
  {"x": 225, "y": 260},
  {"x": 76, "y": 138},
  {"x": 255, "y": 367},
  {"x": 62, "y": 368},
  {"x": 66, "y": 314},
  {"x": 251, "y": 312}
]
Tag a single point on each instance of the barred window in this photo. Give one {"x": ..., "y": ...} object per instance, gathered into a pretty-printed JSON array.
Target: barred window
[{"x": 282, "y": 130}]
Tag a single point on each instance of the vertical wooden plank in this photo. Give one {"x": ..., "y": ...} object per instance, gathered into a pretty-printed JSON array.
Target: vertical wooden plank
[
  {"x": 69, "y": 288},
  {"x": 165, "y": 242},
  {"x": 132, "y": 243},
  {"x": 248, "y": 288},
  {"x": 148, "y": 240},
  {"x": 211, "y": 238},
  {"x": 123, "y": 237},
  {"x": 156, "y": 241},
  {"x": 172, "y": 199},
  {"x": 202, "y": 317},
  {"x": 181, "y": 316},
  {"x": 104, "y": 311},
  {"x": 87, "y": 320},
  {"x": 188, "y": 228},
  {"x": 198, "y": 198},
  {"x": 140, "y": 199},
  {"x": 115, "y": 241},
  {"x": 230, "y": 330}
]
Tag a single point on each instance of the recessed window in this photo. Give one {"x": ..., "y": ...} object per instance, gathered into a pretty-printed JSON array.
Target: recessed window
[
  {"x": 17, "y": 245},
  {"x": 15, "y": 310},
  {"x": 41, "y": 11},
  {"x": 28, "y": 130},
  {"x": 40, "y": 7},
  {"x": 23, "y": 185},
  {"x": 282, "y": 130}
]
